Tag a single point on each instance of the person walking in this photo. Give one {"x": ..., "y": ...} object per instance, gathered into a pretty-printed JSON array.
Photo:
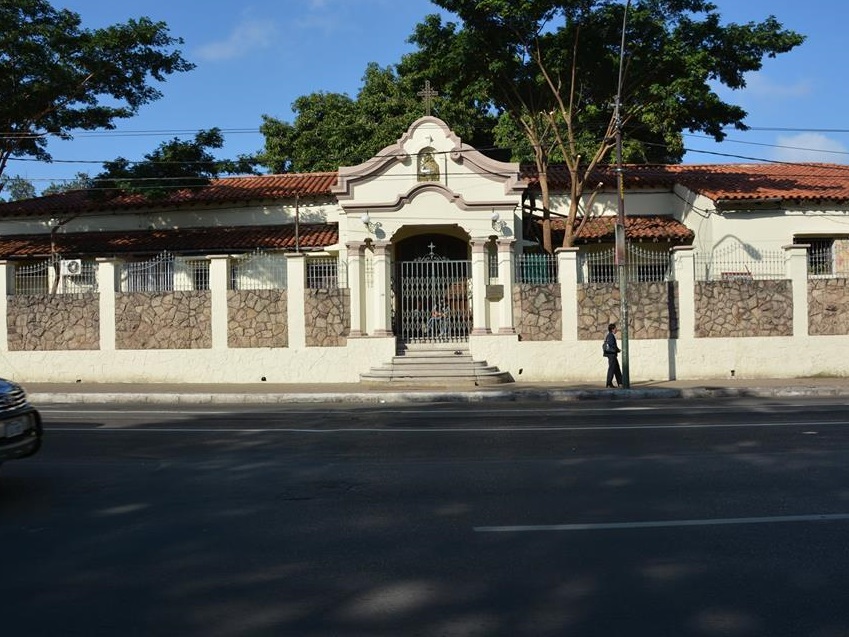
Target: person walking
[{"x": 611, "y": 350}]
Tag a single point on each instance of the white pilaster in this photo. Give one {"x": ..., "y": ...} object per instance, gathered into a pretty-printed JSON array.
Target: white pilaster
[
  {"x": 506, "y": 269},
  {"x": 355, "y": 286},
  {"x": 107, "y": 281},
  {"x": 296, "y": 276},
  {"x": 796, "y": 269},
  {"x": 382, "y": 289},
  {"x": 218, "y": 276},
  {"x": 683, "y": 265},
  {"x": 480, "y": 278},
  {"x": 567, "y": 273}
]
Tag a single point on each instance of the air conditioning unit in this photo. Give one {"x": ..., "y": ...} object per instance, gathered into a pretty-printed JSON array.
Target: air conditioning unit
[{"x": 70, "y": 267}]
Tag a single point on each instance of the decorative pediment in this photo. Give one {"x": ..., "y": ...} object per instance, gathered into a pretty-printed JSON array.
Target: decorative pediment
[{"x": 428, "y": 153}]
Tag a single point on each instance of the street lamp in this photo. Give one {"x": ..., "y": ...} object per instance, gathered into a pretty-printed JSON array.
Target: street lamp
[{"x": 621, "y": 243}]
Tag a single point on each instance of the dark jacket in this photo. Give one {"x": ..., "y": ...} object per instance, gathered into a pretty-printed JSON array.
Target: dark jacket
[{"x": 610, "y": 348}]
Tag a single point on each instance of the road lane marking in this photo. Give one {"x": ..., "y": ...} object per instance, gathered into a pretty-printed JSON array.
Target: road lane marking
[
  {"x": 416, "y": 430},
  {"x": 660, "y": 524}
]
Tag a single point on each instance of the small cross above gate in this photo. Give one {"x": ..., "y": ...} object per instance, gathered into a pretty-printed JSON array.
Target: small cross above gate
[{"x": 427, "y": 94}]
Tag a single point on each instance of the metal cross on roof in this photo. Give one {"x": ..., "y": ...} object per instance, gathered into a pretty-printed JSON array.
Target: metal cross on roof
[{"x": 427, "y": 94}]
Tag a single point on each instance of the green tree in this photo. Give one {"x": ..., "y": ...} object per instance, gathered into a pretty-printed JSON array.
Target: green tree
[
  {"x": 173, "y": 165},
  {"x": 57, "y": 77},
  {"x": 333, "y": 129},
  {"x": 81, "y": 181},
  {"x": 553, "y": 65},
  {"x": 17, "y": 188}
]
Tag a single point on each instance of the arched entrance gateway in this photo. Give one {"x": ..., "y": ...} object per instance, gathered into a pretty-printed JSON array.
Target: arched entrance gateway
[
  {"x": 432, "y": 289},
  {"x": 420, "y": 222}
]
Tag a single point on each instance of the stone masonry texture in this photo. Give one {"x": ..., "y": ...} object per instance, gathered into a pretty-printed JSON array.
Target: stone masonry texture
[
  {"x": 652, "y": 310},
  {"x": 48, "y": 323},
  {"x": 744, "y": 308},
  {"x": 827, "y": 303},
  {"x": 328, "y": 317},
  {"x": 257, "y": 318},
  {"x": 537, "y": 309},
  {"x": 163, "y": 320}
]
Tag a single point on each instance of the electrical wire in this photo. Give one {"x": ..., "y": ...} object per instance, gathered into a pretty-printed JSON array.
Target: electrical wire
[{"x": 483, "y": 149}]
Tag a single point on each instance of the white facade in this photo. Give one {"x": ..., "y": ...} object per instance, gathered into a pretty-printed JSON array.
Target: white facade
[{"x": 431, "y": 184}]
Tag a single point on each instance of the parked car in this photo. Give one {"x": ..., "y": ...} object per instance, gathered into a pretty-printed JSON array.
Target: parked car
[{"x": 20, "y": 423}]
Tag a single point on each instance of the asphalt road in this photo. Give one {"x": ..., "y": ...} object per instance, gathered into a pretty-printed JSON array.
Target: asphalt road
[{"x": 684, "y": 519}]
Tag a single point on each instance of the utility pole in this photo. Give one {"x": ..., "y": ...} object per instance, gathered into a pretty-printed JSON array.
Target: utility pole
[{"x": 621, "y": 242}]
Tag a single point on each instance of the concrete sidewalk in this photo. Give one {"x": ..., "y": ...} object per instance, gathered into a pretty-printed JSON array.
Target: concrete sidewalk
[{"x": 270, "y": 393}]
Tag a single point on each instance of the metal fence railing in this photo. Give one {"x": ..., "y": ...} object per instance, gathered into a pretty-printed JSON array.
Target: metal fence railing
[
  {"x": 326, "y": 273},
  {"x": 739, "y": 263},
  {"x": 165, "y": 273},
  {"x": 32, "y": 279},
  {"x": 643, "y": 266},
  {"x": 536, "y": 268},
  {"x": 55, "y": 275},
  {"x": 258, "y": 270}
]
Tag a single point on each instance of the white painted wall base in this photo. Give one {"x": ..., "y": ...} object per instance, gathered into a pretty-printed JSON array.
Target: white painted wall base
[
  {"x": 569, "y": 362},
  {"x": 277, "y": 365},
  {"x": 691, "y": 359}
]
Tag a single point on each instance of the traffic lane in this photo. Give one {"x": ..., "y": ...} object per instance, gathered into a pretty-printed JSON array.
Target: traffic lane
[
  {"x": 370, "y": 553},
  {"x": 356, "y": 532},
  {"x": 468, "y": 431},
  {"x": 755, "y": 467},
  {"x": 359, "y": 416}
]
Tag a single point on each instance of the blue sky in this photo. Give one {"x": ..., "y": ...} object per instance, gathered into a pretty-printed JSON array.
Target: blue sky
[{"x": 258, "y": 56}]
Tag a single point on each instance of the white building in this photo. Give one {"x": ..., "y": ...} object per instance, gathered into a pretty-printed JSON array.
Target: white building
[{"x": 325, "y": 277}]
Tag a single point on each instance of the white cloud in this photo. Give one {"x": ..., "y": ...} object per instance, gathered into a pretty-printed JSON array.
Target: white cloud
[
  {"x": 813, "y": 147},
  {"x": 249, "y": 35},
  {"x": 759, "y": 85}
]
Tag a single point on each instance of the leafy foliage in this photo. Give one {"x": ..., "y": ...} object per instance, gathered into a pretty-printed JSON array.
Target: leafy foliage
[
  {"x": 16, "y": 188},
  {"x": 81, "y": 181},
  {"x": 333, "y": 129},
  {"x": 173, "y": 165},
  {"x": 57, "y": 77},
  {"x": 553, "y": 67}
]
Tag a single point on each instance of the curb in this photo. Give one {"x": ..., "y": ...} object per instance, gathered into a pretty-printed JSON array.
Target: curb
[{"x": 413, "y": 397}]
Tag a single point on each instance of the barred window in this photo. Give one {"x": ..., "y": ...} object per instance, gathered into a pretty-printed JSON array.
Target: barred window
[{"x": 820, "y": 254}]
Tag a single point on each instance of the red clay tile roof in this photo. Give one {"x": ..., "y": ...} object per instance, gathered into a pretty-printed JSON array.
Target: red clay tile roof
[
  {"x": 736, "y": 182},
  {"x": 219, "y": 191},
  {"x": 732, "y": 182},
  {"x": 215, "y": 240},
  {"x": 643, "y": 228}
]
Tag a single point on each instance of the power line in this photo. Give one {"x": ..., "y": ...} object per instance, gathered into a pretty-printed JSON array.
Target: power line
[
  {"x": 484, "y": 150},
  {"x": 13, "y": 135}
]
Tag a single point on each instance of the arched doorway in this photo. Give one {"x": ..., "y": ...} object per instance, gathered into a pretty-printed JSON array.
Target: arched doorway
[{"x": 432, "y": 287}]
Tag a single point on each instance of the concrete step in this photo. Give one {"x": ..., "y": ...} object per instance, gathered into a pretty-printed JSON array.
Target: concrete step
[{"x": 436, "y": 363}]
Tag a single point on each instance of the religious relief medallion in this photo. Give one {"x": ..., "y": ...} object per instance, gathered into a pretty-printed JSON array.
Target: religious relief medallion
[{"x": 427, "y": 166}]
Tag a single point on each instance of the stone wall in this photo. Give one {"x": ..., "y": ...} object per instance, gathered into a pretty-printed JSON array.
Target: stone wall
[
  {"x": 328, "y": 317},
  {"x": 652, "y": 310},
  {"x": 827, "y": 303},
  {"x": 743, "y": 308},
  {"x": 163, "y": 320},
  {"x": 257, "y": 318},
  {"x": 538, "y": 312},
  {"x": 47, "y": 323}
]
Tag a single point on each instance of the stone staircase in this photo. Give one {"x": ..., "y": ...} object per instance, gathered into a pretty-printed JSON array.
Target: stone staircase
[{"x": 436, "y": 364}]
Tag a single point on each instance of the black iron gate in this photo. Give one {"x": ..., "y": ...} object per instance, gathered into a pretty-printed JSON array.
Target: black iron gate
[{"x": 433, "y": 300}]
